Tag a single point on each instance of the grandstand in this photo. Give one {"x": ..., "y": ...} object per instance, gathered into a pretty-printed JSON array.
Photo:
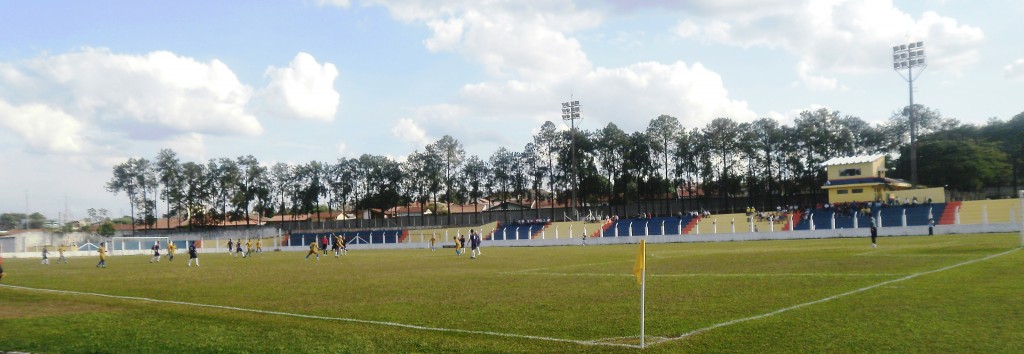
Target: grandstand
[
  {"x": 649, "y": 226},
  {"x": 523, "y": 230},
  {"x": 988, "y": 211}
]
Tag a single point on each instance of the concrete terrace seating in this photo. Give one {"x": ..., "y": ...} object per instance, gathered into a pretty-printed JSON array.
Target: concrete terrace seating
[
  {"x": 707, "y": 224},
  {"x": 351, "y": 237},
  {"x": 647, "y": 226},
  {"x": 517, "y": 231},
  {"x": 892, "y": 216},
  {"x": 989, "y": 211}
]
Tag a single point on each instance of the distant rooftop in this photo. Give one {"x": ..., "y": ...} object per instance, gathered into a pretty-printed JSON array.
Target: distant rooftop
[{"x": 851, "y": 160}]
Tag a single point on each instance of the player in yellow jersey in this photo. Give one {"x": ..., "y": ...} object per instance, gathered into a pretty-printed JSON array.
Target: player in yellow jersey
[
  {"x": 313, "y": 250},
  {"x": 63, "y": 248},
  {"x": 458, "y": 246},
  {"x": 103, "y": 255},
  {"x": 259, "y": 246},
  {"x": 170, "y": 250},
  {"x": 248, "y": 248}
]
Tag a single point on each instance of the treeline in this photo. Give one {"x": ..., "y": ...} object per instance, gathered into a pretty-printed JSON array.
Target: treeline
[{"x": 725, "y": 158}]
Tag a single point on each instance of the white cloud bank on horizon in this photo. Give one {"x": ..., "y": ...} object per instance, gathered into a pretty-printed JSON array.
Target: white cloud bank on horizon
[
  {"x": 93, "y": 94},
  {"x": 535, "y": 63},
  {"x": 846, "y": 36},
  {"x": 303, "y": 90}
]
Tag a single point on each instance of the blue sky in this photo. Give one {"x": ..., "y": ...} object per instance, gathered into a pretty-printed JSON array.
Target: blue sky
[{"x": 85, "y": 85}]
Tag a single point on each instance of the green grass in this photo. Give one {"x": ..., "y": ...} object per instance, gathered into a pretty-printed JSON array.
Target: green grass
[{"x": 577, "y": 293}]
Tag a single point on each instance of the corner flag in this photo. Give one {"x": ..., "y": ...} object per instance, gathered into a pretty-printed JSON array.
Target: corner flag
[{"x": 641, "y": 260}]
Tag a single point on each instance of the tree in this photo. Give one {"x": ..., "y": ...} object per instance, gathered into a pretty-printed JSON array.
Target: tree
[
  {"x": 502, "y": 161},
  {"x": 124, "y": 180},
  {"x": 476, "y": 173},
  {"x": 962, "y": 165},
  {"x": 662, "y": 133},
  {"x": 548, "y": 144},
  {"x": 610, "y": 152},
  {"x": 168, "y": 167},
  {"x": 450, "y": 154},
  {"x": 196, "y": 193}
]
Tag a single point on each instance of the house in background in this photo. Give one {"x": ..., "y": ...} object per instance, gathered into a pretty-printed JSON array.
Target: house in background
[{"x": 860, "y": 179}]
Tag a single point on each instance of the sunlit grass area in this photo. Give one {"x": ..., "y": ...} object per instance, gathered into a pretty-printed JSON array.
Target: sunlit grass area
[{"x": 956, "y": 293}]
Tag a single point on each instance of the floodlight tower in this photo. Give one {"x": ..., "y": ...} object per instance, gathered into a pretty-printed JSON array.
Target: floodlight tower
[
  {"x": 571, "y": 113},
  {"x": 907, "y": 57}
]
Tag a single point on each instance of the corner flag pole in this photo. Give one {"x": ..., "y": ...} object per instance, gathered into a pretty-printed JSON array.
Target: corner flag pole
[{"x": 640, "y": 271}]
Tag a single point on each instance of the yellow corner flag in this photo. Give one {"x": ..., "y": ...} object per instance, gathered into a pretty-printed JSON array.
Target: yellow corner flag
[{"x": 641, "y": 260}]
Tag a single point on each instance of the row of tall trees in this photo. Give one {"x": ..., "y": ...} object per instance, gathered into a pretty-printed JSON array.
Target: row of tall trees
[{"x": 726, "y": 158}]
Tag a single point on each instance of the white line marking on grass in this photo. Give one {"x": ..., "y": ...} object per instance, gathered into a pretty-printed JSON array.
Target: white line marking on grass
[
  {"x": 341, "y": 319},
  {"x": 833, "y": 297},
  {"x": 566, "y": 266},
  {"x": 727, "y": 275},
  {"x": 878, "y": 254}
]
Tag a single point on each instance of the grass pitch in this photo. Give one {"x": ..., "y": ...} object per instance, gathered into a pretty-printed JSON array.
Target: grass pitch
[{"x": 956, "y": 293}]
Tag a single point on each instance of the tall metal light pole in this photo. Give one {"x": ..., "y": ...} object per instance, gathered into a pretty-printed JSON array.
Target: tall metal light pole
[
  {"x": 907, "y": 57},
  {"x": 571, "y": 113}
]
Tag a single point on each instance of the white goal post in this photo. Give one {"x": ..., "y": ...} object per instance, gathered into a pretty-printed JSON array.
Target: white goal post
[{"x": 121, "y": 245}]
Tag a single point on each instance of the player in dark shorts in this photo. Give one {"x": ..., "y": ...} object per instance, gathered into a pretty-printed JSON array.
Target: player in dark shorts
[
  {"x": 336, "y": 247},
  {"x": 193, "y": 254}
]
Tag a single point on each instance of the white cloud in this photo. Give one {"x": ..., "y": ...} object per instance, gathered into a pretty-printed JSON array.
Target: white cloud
[
  {"x": 510, "y": 39},
  {"x": 341, "y": 148},
  {"x": 339, "y": 3},
  {"x": 303, "y": 90},
  {"x": 845, "y": 36},
  {"x": 789, "y": 117},
  {"x": 42, "y": 127},
  {"x": 536, "y": 64},
  {"x": 1014, "y": 70},
  {"x": 407, "y": 130},
  {"x": 140, "y": 97},
  {"x": 815, "y": 82},
  {"x": 189, "y": 146}
]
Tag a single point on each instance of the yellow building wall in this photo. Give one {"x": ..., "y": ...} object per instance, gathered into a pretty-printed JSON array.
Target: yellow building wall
[
  {"x": 867, "y": 194},
  {"x": 938, "y": 194}
]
